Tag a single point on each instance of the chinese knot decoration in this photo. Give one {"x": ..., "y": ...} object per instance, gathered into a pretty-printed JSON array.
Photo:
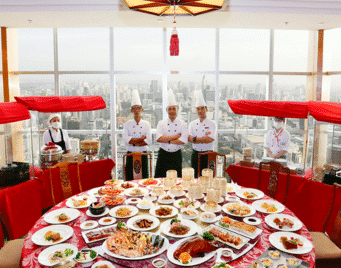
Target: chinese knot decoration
[{"x": 174, "y": 41}]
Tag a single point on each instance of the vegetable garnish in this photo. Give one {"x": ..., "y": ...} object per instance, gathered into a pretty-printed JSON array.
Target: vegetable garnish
[
  {"x": 208, "y": 236},
  {"x": 120, "y": 225}
]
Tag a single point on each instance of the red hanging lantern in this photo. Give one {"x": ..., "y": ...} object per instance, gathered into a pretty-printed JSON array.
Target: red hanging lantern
[{"x": 174, "y": 41}]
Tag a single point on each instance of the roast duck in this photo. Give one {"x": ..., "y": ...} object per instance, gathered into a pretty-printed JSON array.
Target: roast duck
[{"x": 196, "y": 247}]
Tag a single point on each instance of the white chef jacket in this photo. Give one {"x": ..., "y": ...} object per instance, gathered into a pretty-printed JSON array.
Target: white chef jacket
[
  {"x": 134, "y": 130},
  {"x": 57, "y": 137},
  {"x": 167, "y": 127},
  {"x": 275, "y": 146},
  {"x": 199, "y": 129}
]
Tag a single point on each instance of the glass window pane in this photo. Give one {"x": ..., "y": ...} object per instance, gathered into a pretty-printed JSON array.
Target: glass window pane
[
  {"x": 196, "y": 50},
  {"x": 1, "y": 89},
  {"x": 289, "y": 88},
  {"x": 332, "y": 50},
  {"x": 335, "y": 88},
  {"x": 138, "y": 49},
  {"x": 35, "y": 49},
  {"x": 150, "y": 90},
  {"x": 244, "y": 50},
  {"x": 83, "y": 49},
  {"x": 291, "y": 50},
  {"x": 36, "y": 85}
]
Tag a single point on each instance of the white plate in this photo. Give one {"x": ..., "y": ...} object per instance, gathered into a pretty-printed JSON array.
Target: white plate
[
  {"x": 150, "y": 197},
  {"x": 130, "y": 200},
  {"x": 65, "y": 232},
  {"x": 142, "y": 181},
  {"x": 218, "y": 209},
  {"x": 44, "y": 255},
  {"x": 189, "y": 217},
  {"x": 252, "y": 209},
  {"x": 90, "y": 199},
  {"x": 102, "y": 263},
  {"x": 275, "y": 240},
  {"x": 51, "y": 217},
  {"x": 257, "y": 232},
  {"x": 162, "y": 249},
  {"x": 106, "y": 211},
  {"x": 102, "y": 222},
  {"x": 133, "y": 209},
  {"x": 169, "y": 201},
  {"x": 230, "y": 198},
  {"x": 201, "y": 197},
  {"x": 174, "y": 212},
  {"x": 177, "y": 205},
  {"x": 258, "y": 206},
  {"x": 107, "y": 229},
  {"x": 270, "y": 221},
  {"x": 87, "y": 255},
  {"x": 252, "y": 221},
  {"x": 165, "y": 228},
  {"x": 128, "y": 192},
  {"x": 195, "y": 261},
  {"x": 221, "y": 200},
  {"x": 182, "y": 194},
  {"x": 203, "y": 219},
  {"x": 130, "y": 222},
  {"x": 143, "y": 208},
  {"x": 233, "y": 186},
  {"x": 94, "y": 225},
  {"x": 94, "y": 192},
  {"x": 132, "y": 183},
  {"x": 241, "y": 192}
]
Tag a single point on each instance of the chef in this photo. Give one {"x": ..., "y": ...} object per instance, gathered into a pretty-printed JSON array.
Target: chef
[
  {"x": 137, "y": 136},
  {"x": 57, "y": 135},
  {"x": 202, "y": 133},
  {"x": 171, "y": 133},
  {"x": 277, "y": 141}
]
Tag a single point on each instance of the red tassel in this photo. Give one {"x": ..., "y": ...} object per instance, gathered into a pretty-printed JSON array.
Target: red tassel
[{"x": 174, "y": 45}]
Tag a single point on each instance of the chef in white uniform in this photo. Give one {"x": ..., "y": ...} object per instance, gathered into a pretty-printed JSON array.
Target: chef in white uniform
[
  {"x": 57, "y": 135},
  {"x": 171, "y": 133},
  {"x": 277, "y": 141},
  {"x": 137, "y": 136},
  {"x": 202, "y": 133}
]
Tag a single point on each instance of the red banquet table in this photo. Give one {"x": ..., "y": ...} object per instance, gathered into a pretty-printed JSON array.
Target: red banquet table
[{"x": 31, "y": 251}]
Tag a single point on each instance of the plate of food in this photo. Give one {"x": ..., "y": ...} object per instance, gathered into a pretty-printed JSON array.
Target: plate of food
[
  {"x": 97, "y": 192},
  {"x": 283, "y": 222},
  {"x": 232, "y": 187},
  {"x": 150, "y": 181},
  {"x": 189, "y": 213},
  {"x": 200, "y": 250},
  {"x": 225, "y": 236},
  {"x": 221, "y": 199},
  {"x": 150, "y": 197},
  {"x": 123, "y": 211},
  {"x": 239, "y": 209},
  {"x": 112, "y": 190},
  {"x": 103, "y": 264},
  {"x": 163, "y": 211},
  {"x": 102, "y": 233},
  {"x": 210, "y": 207},
  {"x": 128, "y": 185},
  {"x": 238, "y": 227},
  {"x": 138, "y": 246},
  {"x": 135, "y": 192},
  {"x": 186, "y": 203},
  {"x": 268, "y": 206},
  {"x": 112, "y": 182},
  {"x": 290, "y": 242},
  {"x": 250, "y": 193},
  {"x": 107, "y": 221},
  {"x": 113, "y": 200},
  {"x": 176, "y": 190},
  {"x": 57, "y": 254},
  {"x": 143, "y": 223},
  {"x": 62, "y": 215},
  {"x": 179, "y": 228},
  {"x": 222, "y": 265},
  {"x": 80, "y": 201},
  {"x": 208, "y": 217},
  {"x": 87, "y": 225},
  {"x": 133, "y": 200},
  {"x": 166, "y": 199},
  {"x": 86, "y": 255},
  {"x": 52, "y": 235}
]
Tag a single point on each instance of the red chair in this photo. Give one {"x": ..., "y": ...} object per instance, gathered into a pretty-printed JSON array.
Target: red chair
[
  {"x": 137, "y": 164},
  {"x": 23, "y": 207},
  {"x": 328, "y": 242},
  {"x": 211, "y": 161},
  {"x": 275, "y": 168}
]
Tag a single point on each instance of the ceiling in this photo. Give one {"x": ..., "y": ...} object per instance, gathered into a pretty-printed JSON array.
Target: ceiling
[{"x": 262, "y": 14}]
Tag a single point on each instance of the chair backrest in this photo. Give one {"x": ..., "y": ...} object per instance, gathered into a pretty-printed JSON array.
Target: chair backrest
[
  {"x": 23, "y": 207},
  {"x": 1, "y": 236},
  {"x": 62, "y": 185},
  {"x": 275, "y": 168},
  {"x": 211, "y": 162},
  {"x": 137, "y": 164},
  {"x": 332, "y": 224}
]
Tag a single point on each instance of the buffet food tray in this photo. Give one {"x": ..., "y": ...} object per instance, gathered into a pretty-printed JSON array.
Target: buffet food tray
[
  {"x": 103, "y": 233},
  {"x": 251, "y": 236},
  {"x": 244, "y": 240},
  {"x": 280, "y": 261}
]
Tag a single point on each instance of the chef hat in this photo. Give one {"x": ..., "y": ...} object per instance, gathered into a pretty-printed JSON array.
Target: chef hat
[
  {"x": 135, "y": 98},
  {"x": 53, "y": 116},
  {"x": 200, "y": 101},
  {"x": 171, "y": 98}
]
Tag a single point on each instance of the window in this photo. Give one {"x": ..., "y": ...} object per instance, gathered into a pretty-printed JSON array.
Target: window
[
  {"x": 289, "y": 88},
  {"x": 36, "y": 85},
  {"x": 332, "y": 50}
]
